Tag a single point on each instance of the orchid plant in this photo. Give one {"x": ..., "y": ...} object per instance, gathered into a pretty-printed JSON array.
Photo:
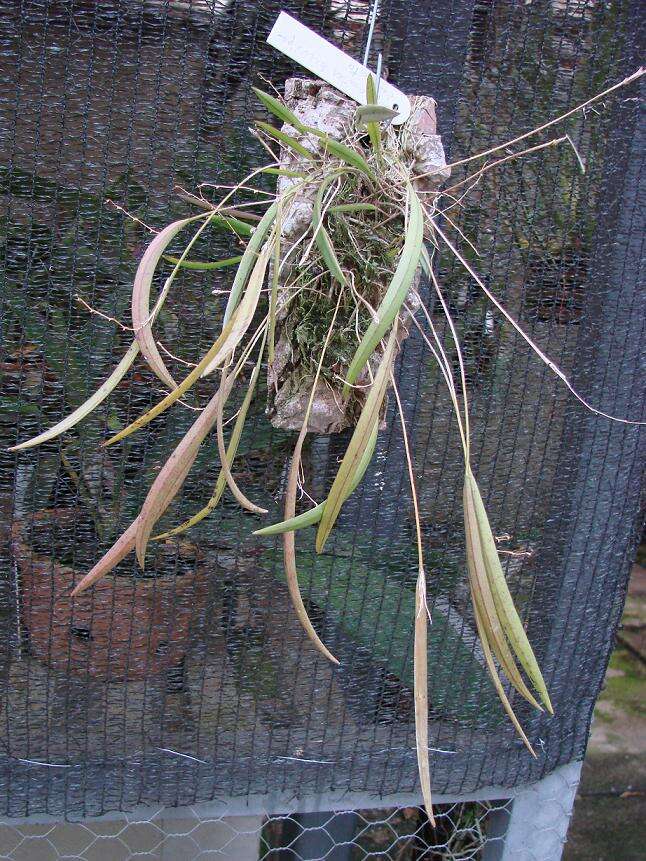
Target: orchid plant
[{"x": 355, "y": 268}]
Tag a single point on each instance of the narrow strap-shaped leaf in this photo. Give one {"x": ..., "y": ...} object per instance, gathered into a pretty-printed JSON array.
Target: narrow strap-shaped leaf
[
  {"x": 289, "y": 538},
  {"x": 113, "y": 380},
  {"x": 342, "y": 483},
  {"x": 498, "y": 643},
  {"x": 289, "y": 549},
  {"x": 313, "y": 515},
  {"x": 484, "y": 599},
  {"x": 201, "y": 265},
  {"x": 420, "y": 693},
  {"x": 232, "y": 450},
  {"x": 498, "y": 684},
  {"x": 228, "y": 340},
  {"x": 163, "y": 491},
  {"x": 117, "y": 553},
  {"x": 172, "y": 475},
  {"x": 370, "y": 115},
  {"x": 343, "y": 152},
  {"x": 230, "y": 222},
  {"x": 321, "y": 237},
  {"x": 142, "y": 319},
  {"x": 352, "y": 207},
  {"x": 278, "y": 109},
  {"x": 224, "y": 460},
  {"x": 244, "y": 311},
  {"x": 282, "y": 171},
  {"x": 285, "y": 140},
  {"x": 249, "y": 258},
  {"x": 308, "y": 518},
  {"x": 396, "y": 293},
  {"x": 512, "y": 624},
  {"x": 90, "y": 404},
  {"x": 273, "y": 296},
  {"x": 365, "y": 114}
]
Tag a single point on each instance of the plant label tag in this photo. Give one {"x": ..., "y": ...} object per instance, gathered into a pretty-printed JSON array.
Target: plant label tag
[{"x": 328, "y": 62}]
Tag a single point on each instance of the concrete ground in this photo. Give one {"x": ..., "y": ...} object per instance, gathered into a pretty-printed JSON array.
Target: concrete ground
[{"x": 609, "y": 822}]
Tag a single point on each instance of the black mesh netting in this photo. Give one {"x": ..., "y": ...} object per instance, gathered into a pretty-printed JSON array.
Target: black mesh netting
[{"x": 195, "y": 681}]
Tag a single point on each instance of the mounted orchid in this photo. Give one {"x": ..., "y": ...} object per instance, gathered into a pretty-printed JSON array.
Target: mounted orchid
[{"x": 352, "y": 273}]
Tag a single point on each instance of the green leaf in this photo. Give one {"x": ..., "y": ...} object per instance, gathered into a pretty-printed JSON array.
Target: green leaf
[
  {"x": 232, "y": 450},
  {"x": 372, "y": 114},
  {"x": 90, "y": 404},
  {"x": 202, "y": 266},
  {"x": 487, "y": 621},
  {"x": 232, "y": 332},
  {"x": 344, "y": 153},
  {"x": 273, "y": 297},
  {"x": 397, "y": 291},
  {"x": 235, "y": 224},
  {"x": 321, "y": 237},
  {"x": 313, "y": 516},
  {"x": 285, "y": 140},
  {"x": 249, "y": 259},
  {"x": 281, "y": 171},
  {"x": 507, "y": 612},
  {"x": 341, "y": 487},
  {"x": 353, "y": 207},
  {"x": 365, "y": 115},
  {"x": 486, "y": 648},
  {"x": 278, "y": 109}
]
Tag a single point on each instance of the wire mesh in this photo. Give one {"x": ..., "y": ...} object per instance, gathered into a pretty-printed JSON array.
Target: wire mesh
[
  {"x": 192, "y": 834},
  {"x": 194, "y": 682}
]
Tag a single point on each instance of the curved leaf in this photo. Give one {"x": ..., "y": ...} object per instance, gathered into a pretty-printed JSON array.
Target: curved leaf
[
  {"x": 395, "y": 294},
  {"x": 343, "y": 152},
  {"x": 420, "y": 689},
  {"x": 341, "y": 485},
  {"x": 486, "y": 648},
  {"x": 86, "y": 408},
  {"x": 229, "y": 338},
  {"x": 230, "y": 454},
  {"x": 273, "y": 295},
  {"x": 172, "y": 475},
  {"x": 203, "y": 266},
  {"x": 142, "y": 319},
  {"x": 162, "y": 492},
  {"x": 285, "y": 140},
  {"x": 249, "y": 259},
  {"x": 289, "y": 549},
  {"x": 483, "y": 598},
  {"x": 321, "y": 237},
  {"x": 278, "y": 109},
  {"x": 313, "y": 515},
  {"x": 504, "y": 604},
  {"x": 224, "y": 460}
]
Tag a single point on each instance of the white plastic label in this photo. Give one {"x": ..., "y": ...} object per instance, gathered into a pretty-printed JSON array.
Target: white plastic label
[{"x": 328, "y": 62}]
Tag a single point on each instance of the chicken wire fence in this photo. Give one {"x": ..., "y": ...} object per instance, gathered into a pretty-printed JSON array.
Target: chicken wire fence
[
  {"x": 193, "y": 683},
  {"x": 188, "y": 833}
]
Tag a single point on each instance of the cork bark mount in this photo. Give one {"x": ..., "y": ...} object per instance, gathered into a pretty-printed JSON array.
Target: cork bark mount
[{"x": 289, "y": 382}]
